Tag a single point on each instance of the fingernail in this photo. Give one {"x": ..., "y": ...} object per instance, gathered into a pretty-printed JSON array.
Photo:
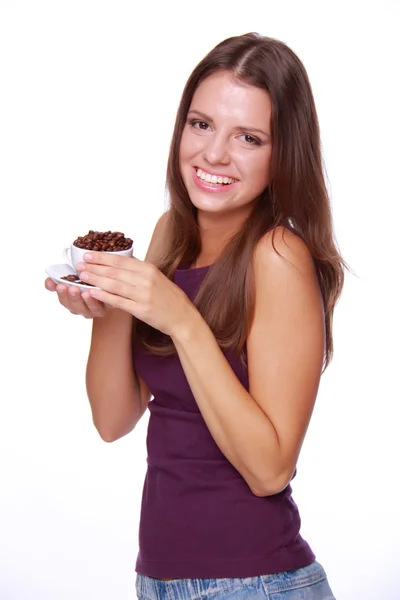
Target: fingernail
[
  {"x": 87, "y": 256},
  {"x": 85, "y": 276},
  {"x": 80, "y": 266}
]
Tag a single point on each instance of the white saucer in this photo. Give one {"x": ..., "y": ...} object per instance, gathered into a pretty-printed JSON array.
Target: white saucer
[{"x": 55, "y": 272}]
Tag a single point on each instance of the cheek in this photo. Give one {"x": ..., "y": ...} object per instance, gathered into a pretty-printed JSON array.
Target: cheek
[
  {"x": 185, "y": 149},
  {"x": 258, "y": 169},
  {"x": 190, "y": 145}
]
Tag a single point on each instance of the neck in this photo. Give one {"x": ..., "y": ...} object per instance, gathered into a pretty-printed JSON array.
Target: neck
[{"x": 215, "y": 232}]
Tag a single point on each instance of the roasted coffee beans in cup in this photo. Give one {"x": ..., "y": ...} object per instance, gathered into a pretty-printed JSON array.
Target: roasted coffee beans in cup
[
  {"x": 98, "y": 241},
  {"x": 107, "y": 241}
]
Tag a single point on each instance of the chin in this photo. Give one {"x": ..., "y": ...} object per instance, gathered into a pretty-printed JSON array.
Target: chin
[{"x": 208, "y": 202}]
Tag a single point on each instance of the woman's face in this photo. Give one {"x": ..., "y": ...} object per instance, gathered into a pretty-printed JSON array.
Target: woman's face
[{"x": 225, "y": 151}]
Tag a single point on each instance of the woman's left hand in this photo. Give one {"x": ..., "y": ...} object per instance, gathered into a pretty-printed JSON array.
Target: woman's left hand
[{"x": 137, "y": 287}]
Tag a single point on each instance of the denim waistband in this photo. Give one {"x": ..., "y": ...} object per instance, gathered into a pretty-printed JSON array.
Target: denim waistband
[{"x": 149, "y": 588}]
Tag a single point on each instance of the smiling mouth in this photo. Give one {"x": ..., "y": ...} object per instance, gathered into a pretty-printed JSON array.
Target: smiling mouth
[{"x": 217, "y": 180}]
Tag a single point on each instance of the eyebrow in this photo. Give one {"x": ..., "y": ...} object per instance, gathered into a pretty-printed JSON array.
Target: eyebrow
[{"x": 240, "y": 128}]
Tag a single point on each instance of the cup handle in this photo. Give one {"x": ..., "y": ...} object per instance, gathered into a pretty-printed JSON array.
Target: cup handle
[{"x": 67, "y": 256}]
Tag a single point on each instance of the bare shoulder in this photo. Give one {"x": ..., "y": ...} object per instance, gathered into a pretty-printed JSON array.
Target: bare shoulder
[
  {"x": 285, "y": 274},
  {"x": 282, "y": 248}
]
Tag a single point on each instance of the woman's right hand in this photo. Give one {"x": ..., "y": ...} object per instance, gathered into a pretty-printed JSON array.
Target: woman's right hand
[{"x": 76, "y": 302}]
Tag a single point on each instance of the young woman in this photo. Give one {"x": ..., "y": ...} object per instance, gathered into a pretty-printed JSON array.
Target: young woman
[{"x": 230, "y": 320}]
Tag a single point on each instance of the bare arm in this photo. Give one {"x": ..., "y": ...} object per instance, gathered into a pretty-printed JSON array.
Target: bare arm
[
  {"x": 118, "y": 396},
  {"x": 261, "y": 431}
]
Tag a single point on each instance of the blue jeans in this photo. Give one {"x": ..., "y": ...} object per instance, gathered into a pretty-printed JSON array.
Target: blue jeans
[{"x": 307, "y": 583}]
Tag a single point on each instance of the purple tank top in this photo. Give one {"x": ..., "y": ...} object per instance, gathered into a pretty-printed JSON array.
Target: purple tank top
[{"x": 199, "y": 518}]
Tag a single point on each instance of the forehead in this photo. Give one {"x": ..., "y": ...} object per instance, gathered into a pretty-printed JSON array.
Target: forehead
[{"x": 222, "y": 95}]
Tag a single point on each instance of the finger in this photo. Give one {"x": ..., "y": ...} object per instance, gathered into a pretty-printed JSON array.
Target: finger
[
  {"x": 70, "y": 298},
  {"x": 97, "y": 274},
  {"x": 130, "y": 263},
  {"x": 143, "y": 275},
  {"x": 50, "y": 285},
  {"x": 95, "y": 307},
  {"x": 115, "y": 286},
  {"x": 62, "y": 295},
  {"x": 115, "y": 301},
  {"x": 76, "y": 304}
]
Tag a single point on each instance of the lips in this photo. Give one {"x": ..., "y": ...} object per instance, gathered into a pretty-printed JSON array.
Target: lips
[
  {"x": 209, "y": 186},
  {"x": 214, "y": 178}
]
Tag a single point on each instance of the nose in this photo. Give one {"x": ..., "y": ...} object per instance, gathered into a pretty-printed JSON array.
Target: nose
[{"x": 216, "y": 151}]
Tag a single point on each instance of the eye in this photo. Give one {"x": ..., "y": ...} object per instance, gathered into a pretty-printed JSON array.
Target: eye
[
  {"x": 202, "y": 125},
  {"x": 250, "y": 139}
]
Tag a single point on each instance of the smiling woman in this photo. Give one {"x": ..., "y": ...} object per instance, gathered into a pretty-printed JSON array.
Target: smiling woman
[
  {"x": 226, "y": 136},
  {"x": 230, "y": 322}
]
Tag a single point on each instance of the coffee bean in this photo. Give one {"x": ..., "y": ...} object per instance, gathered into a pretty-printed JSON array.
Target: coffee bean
[
  {"x": 103, "y": 241},
  {"x": 71, "y": 278},
  {"x": 75, "y": 279},
  {"x": 84, "y": 283}
]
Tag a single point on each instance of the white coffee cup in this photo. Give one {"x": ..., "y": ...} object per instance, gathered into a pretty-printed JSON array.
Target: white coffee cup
[{"x": 74, "y": 255}]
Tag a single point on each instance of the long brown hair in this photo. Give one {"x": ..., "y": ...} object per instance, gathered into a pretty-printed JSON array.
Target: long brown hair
[{"x": 295, "y": 198}]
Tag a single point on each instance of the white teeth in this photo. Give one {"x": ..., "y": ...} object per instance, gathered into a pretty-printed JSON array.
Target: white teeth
[{"x": 213, "y": 178}]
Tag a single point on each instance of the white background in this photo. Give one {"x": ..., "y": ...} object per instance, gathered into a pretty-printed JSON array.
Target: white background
[{"x": 89, "y": 91}]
